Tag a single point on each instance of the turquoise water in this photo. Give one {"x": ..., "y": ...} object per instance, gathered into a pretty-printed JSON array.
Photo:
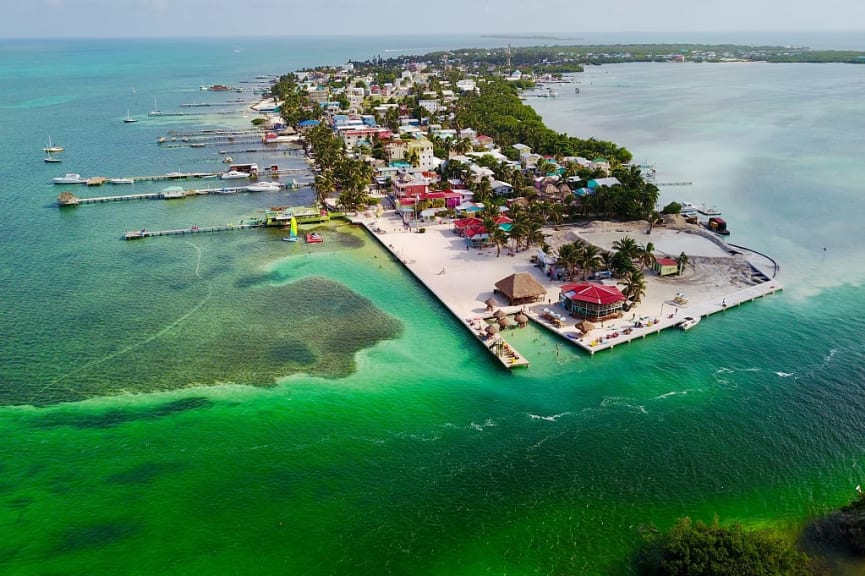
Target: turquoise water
[{"x": 231, "y": 403}]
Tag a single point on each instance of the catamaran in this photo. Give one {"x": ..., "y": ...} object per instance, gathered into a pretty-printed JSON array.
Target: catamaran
[{"x": 292, "y": 234}]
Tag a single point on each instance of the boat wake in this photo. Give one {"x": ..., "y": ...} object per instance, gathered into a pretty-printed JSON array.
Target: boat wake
[
  {"x": 674, "y": 393},
  {"x": 147, "y": 340},
  {"x": 552, "y": 418},
  {"x": 619, "y": 402}
]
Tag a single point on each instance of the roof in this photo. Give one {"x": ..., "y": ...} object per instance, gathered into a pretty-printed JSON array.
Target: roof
[
  {"x": 666, "y": 261},
  {"x": 592, "y": 293},
  {"x": 520, "y": 285}
]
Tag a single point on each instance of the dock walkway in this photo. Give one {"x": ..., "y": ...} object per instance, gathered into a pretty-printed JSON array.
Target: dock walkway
[{"x": 144, "y": 233}]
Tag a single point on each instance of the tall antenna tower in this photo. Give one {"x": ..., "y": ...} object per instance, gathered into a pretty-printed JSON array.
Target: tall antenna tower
[{"x": 509, "y": 57}]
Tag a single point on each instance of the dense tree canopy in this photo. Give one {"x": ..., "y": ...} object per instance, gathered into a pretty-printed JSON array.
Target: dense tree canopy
[{"x": 696, "y": 549}]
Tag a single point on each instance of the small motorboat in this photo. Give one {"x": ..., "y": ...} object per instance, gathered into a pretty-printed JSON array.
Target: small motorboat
[
  {"x": 314, "y": 238},
  {"x": 121, "y": 181},
  {"x": 689, "y": 322},
  {"x": 52, "y": 159},
  {"x": 70, "y": 178},
  {"x": 233, "y": 175},
  {"x": 264, "y": 187}
]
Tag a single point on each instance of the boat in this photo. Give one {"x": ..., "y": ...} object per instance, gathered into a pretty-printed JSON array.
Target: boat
[
  {"x": 122, "y": 181},
  {"x": 233, "y": 175},
  {"x": 708, "y": 211},
  {"x": 717, "y": 225},
  {"x": 129, "y": 119},
  {"x": 70, "y": 178},
  {"x": 292, "y": 234},
  {"x": 51, "y": 147},
  {"x": 688, "y": 209},
  {"x": 689, "y": 322},
  {"x": 314, "y": 238},
  {"x": 264, "y": 187},
  {"x": 52, "y": 159}
]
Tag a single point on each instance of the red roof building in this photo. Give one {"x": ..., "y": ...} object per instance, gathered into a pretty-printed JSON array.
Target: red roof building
[
  {"x": 591, "y": 301},
  {"x": 665, "y": 266}
]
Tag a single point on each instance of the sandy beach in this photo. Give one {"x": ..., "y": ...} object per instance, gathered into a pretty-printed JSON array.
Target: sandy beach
[{"x": 716, "y": 278}]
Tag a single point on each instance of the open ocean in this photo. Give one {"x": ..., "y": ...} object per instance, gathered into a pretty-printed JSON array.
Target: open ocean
[{"x": 232, "y": 404}]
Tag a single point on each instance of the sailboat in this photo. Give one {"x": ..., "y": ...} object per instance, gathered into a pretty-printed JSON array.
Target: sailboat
[
  {"x": 51, "y": 147},
  {"x": 52, "y": 159},
  {"x": 292, "y": 234},
  {"x": 129, "y": 119},
  {"x": 156, "y": 111}
]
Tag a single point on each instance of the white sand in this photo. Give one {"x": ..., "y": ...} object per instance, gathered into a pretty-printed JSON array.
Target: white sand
[{"x": 463, "y": 279}]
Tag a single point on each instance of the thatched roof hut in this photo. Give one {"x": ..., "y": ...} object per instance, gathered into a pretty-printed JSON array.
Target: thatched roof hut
[
  {"x": 504, "y": 322},
  {"x": 584, "y": 326},
  {"x": 499, "y": 314},
  {"x": 521, "y": 288},
  {"x": 492, "y": 329},
  {"x": 490, "y": 303},
  {"x": 522, "y": 320}
]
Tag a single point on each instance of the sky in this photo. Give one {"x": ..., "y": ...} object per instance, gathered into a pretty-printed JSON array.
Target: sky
[{"x": 186, "y": 18}]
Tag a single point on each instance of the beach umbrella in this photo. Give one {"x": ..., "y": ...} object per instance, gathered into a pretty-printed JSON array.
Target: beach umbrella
[
  {"x": 499, "y": 314},
  {"x": 585, "y": 326},
  {"x": 492, "y": 329},
  {"x": 504, "y": 322},
  {"x": 521, "y": 319},
  {"x": 490, "y": 303}
]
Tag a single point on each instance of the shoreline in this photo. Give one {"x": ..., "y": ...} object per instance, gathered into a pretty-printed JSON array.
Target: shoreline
[{"x": 437, "y": 256}]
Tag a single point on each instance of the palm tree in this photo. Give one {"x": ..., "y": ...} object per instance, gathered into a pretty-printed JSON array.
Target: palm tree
[
  {"x": 498, "y": 237},
  {"x": 647, "y": 255},
  {"x": 682, "y": 261},
  {"x": 324, "y": 187},
  {"x": 628, "y": 247},
  {"x": 569, "y": 257},
  {"x": 557, "y": 213},
  {"x": 634, "y": 286},
  {"x": 589, "y": 258}
]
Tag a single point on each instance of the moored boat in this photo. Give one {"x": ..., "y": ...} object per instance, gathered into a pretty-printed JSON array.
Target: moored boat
[
  {"x": 51, "y": 148},
  {"x": 233, "y": 175},
  {"x": 70, "y": 178},
  {"x": 264, "y": 187},
  {"x": 52, "y": 159},
  {"x": 689, "y": 322},
  {"x": 122, "y": 181},
  {"x": 688, "y": 209},
  {"x": 314, "y": 238},
  {"x": 718, "y": 226}
]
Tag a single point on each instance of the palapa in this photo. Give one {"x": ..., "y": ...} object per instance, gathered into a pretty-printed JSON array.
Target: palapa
[
  {"x": 499, "y": 314},
  {"x": 490, "y": 303},
  {"x": 521, "y": 288},
  {"x": 504, "y": 322},
  {"x": 492, "y": 329},
  {"x": 584, "y": 326},
  {"x": 521, "y": 319}
]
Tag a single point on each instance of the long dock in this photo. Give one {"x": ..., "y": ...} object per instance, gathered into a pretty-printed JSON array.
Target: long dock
[
  {"x": 75, "y": 201},
  {"x": 144, "y": 233}
]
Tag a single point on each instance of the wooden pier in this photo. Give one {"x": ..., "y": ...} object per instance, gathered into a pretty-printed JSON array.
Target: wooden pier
[
  {"x": 72, "y": 200},
  {"x": 145, "y": 233}
]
